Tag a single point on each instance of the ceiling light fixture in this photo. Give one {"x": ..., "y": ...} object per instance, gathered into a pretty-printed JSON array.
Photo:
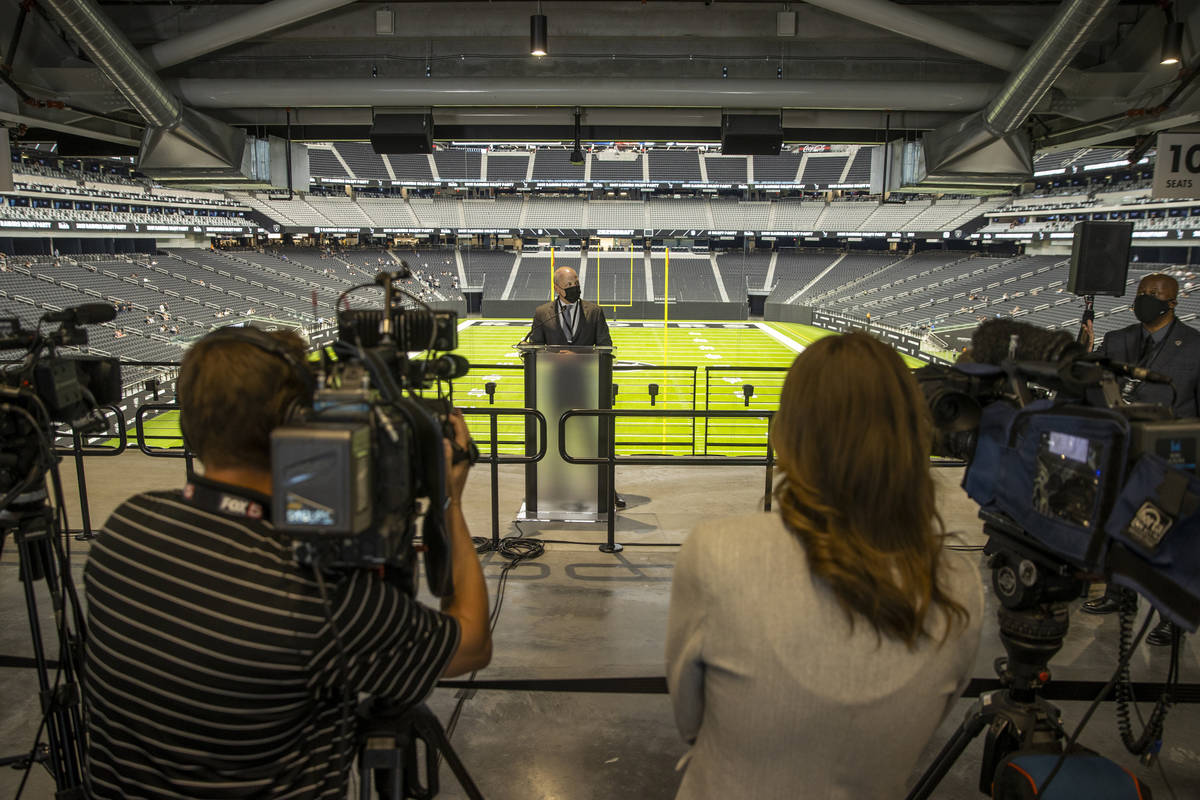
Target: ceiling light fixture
[
  {"x": 1172, "y": 43},
  {"x": 537, "y": 33}
]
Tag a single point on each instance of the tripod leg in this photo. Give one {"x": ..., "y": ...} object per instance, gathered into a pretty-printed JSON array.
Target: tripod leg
[
  {"x": 435, "y": 737},
  {"x": 976, "y": 720},
  {"x": 65, "y": 605}
]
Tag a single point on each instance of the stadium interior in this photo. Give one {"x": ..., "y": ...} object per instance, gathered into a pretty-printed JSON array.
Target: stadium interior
[{"x": 201, "y": 163}]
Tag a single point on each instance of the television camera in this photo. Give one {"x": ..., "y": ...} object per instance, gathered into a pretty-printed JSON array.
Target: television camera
[
  {"x": 37, "y": 392},
  {"x": 349, "y": 471},
  {"x": 1074, "y": 484}
]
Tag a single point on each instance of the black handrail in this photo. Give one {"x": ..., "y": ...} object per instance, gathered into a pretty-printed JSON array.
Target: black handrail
[
  {"x": 611, "y": 459},
  {"x": 161, "y": 452},
  {"x": 495, "y": 459},
  {"x": 710, "y": 368},
  {"x": 78, "y": 451}
]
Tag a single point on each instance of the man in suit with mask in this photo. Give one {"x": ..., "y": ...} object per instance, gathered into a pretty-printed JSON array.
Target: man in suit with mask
[
  {"x": 571, "y": 321},
  {"x": 1161, "y": 343},
  {"x": 567, "y": 319}
]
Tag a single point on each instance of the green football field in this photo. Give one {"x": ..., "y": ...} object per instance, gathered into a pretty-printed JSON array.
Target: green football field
[
  {"x": 161, "y": 431},
  {"x": 693, "y": 365}
]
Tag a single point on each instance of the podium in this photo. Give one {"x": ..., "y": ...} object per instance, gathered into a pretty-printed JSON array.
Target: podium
[{"x": 559, "y": 378}]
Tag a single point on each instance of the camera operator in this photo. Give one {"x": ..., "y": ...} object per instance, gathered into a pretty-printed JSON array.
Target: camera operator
[
  {"x": 211, "y": 668},
  {"x": 1160, "y": 342},
  {"x": 814, "y": 651}
]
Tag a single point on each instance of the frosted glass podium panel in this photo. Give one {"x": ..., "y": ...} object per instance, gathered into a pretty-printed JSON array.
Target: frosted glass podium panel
[{"x": 558, "y": 379}]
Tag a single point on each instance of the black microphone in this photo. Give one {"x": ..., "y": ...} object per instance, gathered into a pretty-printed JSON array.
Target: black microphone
[
  {"x": 541, "y": 324},
  {"x": 19, "y": 339},
  {"x": 448, "y": 366},
  {"x": 1132, "y": 371},
  {"x": 993, "y": 342},
  {"x": 86, "y": 314}
]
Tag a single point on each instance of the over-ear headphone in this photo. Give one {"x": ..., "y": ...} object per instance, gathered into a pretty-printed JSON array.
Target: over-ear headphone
[
  {"x": 259, "y": 338},
  {"x": 269, "y": 344}
]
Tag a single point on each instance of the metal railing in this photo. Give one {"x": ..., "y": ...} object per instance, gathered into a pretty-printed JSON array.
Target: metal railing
[
  {"x": 494, "y": 459},
  {"x": 611, "y": 459},
  {"x": 78, "y": 451},
  {"x": 490, "y": 451},
  {"x": 652, "y": 384},
  {"x": 160, "y": 452}
]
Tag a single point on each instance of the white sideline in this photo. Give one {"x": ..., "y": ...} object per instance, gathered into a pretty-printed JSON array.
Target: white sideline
[{"x": 787, "y": 342}]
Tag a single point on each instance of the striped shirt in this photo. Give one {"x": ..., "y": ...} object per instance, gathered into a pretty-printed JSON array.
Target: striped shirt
[{"x": 210, "y": 668}]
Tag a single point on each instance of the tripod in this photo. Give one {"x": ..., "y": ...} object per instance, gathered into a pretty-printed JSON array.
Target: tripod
[
  {"x": 1016, "y": 717},
  {"x": 39, "y": 547},
  {"x": 1033, "y": 589},
  {"x": 390, "y": 747}
]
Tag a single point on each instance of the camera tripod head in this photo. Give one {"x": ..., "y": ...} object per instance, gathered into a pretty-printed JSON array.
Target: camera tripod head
[{"x": 1033, "y": 588}]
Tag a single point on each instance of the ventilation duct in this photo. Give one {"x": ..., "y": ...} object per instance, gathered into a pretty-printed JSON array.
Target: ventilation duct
[
  {"x": 990, "y": 148},
  {"x": 179, "y": 143}
]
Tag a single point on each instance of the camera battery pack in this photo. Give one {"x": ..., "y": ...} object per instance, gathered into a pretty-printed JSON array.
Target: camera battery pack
[
  {"x": 322, "y": 478},
  {"x": 58, "y": 387}
]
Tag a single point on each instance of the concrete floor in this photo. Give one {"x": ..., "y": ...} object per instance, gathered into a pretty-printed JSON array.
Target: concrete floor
[{"x": 578, "y": 613}]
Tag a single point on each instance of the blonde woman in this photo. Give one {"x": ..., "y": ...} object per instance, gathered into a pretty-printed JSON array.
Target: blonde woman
[{"x": 812, "y": 652}]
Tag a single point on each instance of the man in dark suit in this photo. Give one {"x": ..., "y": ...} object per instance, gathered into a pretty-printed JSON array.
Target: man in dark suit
[
  {"x": 571, "y": 321},
  {"x": 568, "y": 320},
  {"x": 1161, "y": 343}
]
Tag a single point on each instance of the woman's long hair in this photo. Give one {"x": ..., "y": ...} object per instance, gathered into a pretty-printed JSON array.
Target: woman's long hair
[{"x": 852, "y": 437}]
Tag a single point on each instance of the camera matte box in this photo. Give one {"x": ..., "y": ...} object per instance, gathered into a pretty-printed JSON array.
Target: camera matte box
[{"x": 1100, "y": 258}]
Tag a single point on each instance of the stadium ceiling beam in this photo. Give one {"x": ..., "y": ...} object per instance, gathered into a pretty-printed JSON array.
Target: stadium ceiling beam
[
  {"x": 600, "y": 124},
  {"x": 906, "y": 21},
  {"x": 1147, "y": 109},
  {"x": 222, "y": 93},
  {"x": 484, "y": 117},
  {"x": 1184, "y": 112},
  {"x": 237, "y": 28},
  {"x": 60, "y": 127}
]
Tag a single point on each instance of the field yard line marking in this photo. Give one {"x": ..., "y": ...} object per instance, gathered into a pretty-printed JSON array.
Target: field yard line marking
[
  {"x": 787, "y": 342},
  {"x": 466, "y": 323}
]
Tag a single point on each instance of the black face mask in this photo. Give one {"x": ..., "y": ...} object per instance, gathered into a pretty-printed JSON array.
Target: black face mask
[
  {"x": 1148, "y": 308},
  {"x": 571, "y": 294}
]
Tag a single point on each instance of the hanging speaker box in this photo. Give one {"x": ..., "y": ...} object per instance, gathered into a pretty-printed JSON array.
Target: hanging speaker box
[
  {"x": 751, "y": 135},
  {"x": 399, "y": 134}
]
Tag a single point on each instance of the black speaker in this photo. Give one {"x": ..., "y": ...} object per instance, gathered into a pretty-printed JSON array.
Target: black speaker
[
  {"x": 402, "y": 133},
  {"x": 751, "y": 135},
  {"x": 1100, "y": 258}
]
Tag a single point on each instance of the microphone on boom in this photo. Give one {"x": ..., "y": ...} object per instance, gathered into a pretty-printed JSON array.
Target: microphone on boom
[{"x": 86, "y": 314}]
